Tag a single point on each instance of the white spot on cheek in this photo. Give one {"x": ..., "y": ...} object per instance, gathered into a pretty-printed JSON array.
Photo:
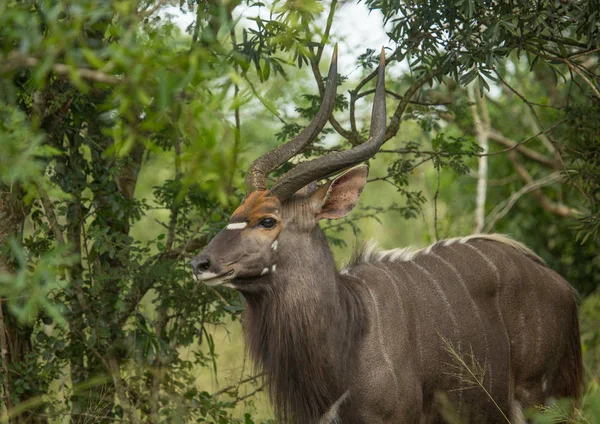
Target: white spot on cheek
[
  {"x": 544, "y": 384},
  {"x": 264, "y": 271},
  {"x": 274, "y": 245},
  {"x": 237, "y": 226},
  {"x": 273, "y": 268}
]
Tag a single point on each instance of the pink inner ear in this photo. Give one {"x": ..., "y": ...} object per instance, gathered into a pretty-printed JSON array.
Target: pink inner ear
[{"x": 343, "y": 193}]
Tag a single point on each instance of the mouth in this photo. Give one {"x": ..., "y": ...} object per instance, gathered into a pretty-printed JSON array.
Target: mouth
[{"x": 212, "y": 279}]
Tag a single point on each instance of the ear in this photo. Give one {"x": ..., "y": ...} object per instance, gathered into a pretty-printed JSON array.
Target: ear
[
  {"x": 337, "y": 198},
  {"x": 307, "y": 190}
]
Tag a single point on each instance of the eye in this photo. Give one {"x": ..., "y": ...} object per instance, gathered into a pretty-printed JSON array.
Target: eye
[{"x": 267, "y": 223}]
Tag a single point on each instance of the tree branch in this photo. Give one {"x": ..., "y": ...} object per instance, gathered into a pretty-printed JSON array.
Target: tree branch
[
  {"x": 334, "y": 123},
  {"x": 51, "y": 216},
  {"x": 581, "y": 75},
  {"x": 520, "y": 143},
  {"x": 161, "y": 323},
  {"x": 129, "y": 409},
  {"x": 499, "y": 138},
  {"x": 237, "y": 385},
  {"x": 399, "y": 97},
  {"x": 143, "y": 14},
  {"x": 547, "y": 204},
  {"x": 504, "y": 207},
  {"x": 394, "y": 125},
  {"x": 16, "y": 60}
]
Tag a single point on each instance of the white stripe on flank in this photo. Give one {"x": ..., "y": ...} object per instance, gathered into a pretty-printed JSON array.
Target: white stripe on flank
[
  {"x": 416, "y": 312},
  {"x": 471, "y": 300},
  {"x": 400, "y": 303},
  {"x": 331, "y": 416},
  {"x": 516, "y": 413},
  {"x": 494, "y": 268},
  {"x": 473, "y": 305},
  {"x": 237, "y": 226},
  {"x": 386, "y": 357},
  {"x": 443, "y": 296}
]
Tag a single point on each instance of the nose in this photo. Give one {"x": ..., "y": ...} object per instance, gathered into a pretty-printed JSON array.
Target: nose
[{"x": 200, "y": 263}]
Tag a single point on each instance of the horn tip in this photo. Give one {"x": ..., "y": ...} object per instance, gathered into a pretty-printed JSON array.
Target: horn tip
[{"x": 382, "y": 55}]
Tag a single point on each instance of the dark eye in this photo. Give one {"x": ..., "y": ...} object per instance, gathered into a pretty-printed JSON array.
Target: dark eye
[{"x": 267, "y": 223}]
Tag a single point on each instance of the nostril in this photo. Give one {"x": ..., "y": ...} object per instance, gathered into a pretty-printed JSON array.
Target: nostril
[{"x": 203, "y": 264}]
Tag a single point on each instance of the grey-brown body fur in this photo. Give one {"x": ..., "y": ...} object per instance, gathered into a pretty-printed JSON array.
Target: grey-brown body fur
[{"x": 378, "y": 336}]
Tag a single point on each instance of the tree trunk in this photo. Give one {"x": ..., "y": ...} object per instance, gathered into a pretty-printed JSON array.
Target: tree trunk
[
  {"x": 482, "y": 129},
  {"x": 15, "y": 340}
]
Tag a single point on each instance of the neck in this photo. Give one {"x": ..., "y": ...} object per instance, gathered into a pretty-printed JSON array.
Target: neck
[{"x": 302, "y": 329}]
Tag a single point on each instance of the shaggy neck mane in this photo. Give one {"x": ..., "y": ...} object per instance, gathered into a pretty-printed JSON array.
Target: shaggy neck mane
[{"x": 301, "y": 333}]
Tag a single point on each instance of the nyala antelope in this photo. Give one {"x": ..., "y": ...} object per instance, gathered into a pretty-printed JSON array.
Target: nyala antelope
[{"x": 398, "y": 336}]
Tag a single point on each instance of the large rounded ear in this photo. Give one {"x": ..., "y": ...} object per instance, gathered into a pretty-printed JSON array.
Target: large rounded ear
[{"x": 338, "y": 197}]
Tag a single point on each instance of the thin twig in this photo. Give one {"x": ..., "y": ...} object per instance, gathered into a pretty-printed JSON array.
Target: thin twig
[
  {"x": 325, "y": 37},
  {"x": 499, "y": 138},
  {"x": 174, "y": 208},
  {"x": 237, "y": 140},
  {"x": 220, "y": 296},
  {"x": 527, "y": 140},
  {"x": 583, "y": 77},
  {"x": 399, "y": 97},
  {"x": 520, "y": 96},
  {"x": 394, "y": 125},
  {"x": 477, "y": 380},
  {"x": 233, "y": 386},
  {"x": 504, "y": 207},
  {"x": 334, "y": 123},
  {"x": 584, "y": 53},
  {"x": 547, "y": 204},
  {"x": 252, "y": 393},
  {"x": 143, "y": 14}
]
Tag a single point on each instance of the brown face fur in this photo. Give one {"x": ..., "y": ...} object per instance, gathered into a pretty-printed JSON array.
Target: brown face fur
[
  {"x": 246, "y": 250},
  {"x": 256, "y": 207}
]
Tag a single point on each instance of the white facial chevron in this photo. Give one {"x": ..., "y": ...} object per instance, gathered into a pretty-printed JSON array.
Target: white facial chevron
[{"x": 237, "y": 226}]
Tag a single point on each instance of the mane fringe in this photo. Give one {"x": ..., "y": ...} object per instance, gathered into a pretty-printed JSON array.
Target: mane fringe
[{"x": 369, "y": 252}]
